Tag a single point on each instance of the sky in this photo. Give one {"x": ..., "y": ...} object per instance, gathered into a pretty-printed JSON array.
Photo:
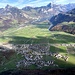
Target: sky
[{"x": 33, "y": 3}]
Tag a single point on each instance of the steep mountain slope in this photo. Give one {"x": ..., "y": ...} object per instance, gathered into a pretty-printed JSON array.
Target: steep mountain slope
[
  {"x": 9, "y": 14},
  {"x": 62, "y": 18},
  {"x": 64, "y": 22}
]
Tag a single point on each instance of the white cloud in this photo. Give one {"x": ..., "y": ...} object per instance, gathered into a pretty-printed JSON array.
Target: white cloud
[
  {"x": 37, "y": 3},
  {"x": 65, "y": 1},
  {"x": 34, "y": 3},
  {"x": 60, "y": 1}
]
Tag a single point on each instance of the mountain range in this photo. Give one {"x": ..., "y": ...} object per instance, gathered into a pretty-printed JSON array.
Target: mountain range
[
  {"x": 10, "y": 16},
  {"x": 64, "y": 22}
]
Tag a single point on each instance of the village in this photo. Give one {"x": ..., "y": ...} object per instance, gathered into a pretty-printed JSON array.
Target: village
[{"x": 34, "y": 54}]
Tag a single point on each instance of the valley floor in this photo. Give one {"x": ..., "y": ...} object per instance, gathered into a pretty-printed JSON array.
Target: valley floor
[{"x": 34, "y": 46}]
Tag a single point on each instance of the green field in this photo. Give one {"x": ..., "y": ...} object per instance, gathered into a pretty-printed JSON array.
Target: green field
[{"x": 36, "y": 34}]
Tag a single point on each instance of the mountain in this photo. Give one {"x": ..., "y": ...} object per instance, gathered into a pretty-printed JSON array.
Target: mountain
[
  {"x": 64, "y": 22},
  {"x": 13, "y": 13},
  {"x": 39, "y": 13},
  {"x": 69, "y": 6},
  {"x": 62, "y": 18},
  {"x": 72, "y": 12},
  {"x": 46, "y": 12},
  {"x": 10, "y": 16}
]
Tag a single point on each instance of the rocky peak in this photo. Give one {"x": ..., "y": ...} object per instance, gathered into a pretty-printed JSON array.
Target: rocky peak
[
  {"x": 8, "y": 6},
  {"x": 49, "y": 5},
  {"x": 27, "y": 8}
]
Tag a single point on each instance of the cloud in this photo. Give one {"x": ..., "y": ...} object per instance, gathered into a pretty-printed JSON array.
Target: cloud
[
  {"x": 37, "y": 3},
  {"x": 34, "y": 3},
  {"x": 65, "y": 1}
]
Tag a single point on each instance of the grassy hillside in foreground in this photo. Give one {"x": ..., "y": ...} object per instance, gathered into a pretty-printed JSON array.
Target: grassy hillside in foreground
[
  {"x": 35, "y": 34},
  {"x": 9, "y": 59}
]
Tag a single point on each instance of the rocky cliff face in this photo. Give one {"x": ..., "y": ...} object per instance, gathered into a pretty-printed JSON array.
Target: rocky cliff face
[
  {"x": 62, "y": 18},
  {"x": 12, "y": 15},
  {"x": 68, "y": 17}
]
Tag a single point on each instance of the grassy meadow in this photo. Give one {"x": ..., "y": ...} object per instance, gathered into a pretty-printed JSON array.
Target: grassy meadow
[{"x": 35, "y": 34}]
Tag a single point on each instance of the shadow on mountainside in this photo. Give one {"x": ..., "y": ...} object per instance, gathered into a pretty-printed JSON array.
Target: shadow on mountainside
[
  {"x": 55, "y": 38},
  {"x": 57, "y": 49},
  {"x": 64, "y": 38}
]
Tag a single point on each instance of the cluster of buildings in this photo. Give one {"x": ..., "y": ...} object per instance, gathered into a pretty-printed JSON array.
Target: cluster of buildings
[
  {"x": 34, "y": 55},
  {"x": 57, "y": 55}
]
